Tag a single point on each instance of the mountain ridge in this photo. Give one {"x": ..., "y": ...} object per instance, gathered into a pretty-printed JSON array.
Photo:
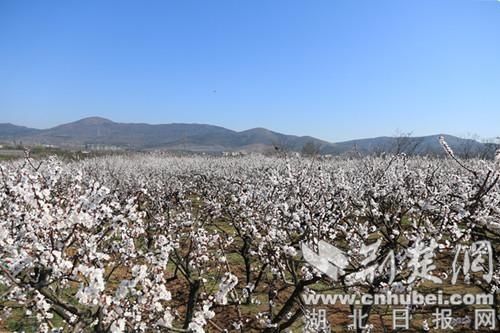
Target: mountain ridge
[{"x": 197, "y": 137}]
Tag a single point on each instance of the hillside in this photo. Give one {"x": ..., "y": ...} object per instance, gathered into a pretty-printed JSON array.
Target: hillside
[{"x": 101, "y": 132}]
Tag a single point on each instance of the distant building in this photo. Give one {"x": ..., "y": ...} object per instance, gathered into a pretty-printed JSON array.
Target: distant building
[
  {"x": 234, "y": 153},
  {"x": 101, "y": 147}
]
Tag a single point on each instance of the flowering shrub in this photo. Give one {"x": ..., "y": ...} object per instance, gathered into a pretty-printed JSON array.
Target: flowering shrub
[{"x": 184, "y": 244}]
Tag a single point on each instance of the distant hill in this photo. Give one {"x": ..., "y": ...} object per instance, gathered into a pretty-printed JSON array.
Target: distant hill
[
  {"x": 101, "y": 132},
  {"x": 8, "y": 131},
  {"x": 424, "y": 145}
]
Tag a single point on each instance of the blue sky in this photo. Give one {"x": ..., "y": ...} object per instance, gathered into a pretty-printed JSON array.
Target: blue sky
[{"x": 336, "y": 69}]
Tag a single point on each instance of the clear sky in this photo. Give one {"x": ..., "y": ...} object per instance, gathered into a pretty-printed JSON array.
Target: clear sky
[{"x": 334, "y": 69}]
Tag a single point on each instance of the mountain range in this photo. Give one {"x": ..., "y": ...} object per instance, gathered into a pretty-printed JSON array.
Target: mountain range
[{"x": 97, "y": 132}]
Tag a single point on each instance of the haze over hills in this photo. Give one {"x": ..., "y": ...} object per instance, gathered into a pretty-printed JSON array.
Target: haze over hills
[{"x": 101, "y": 132}]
